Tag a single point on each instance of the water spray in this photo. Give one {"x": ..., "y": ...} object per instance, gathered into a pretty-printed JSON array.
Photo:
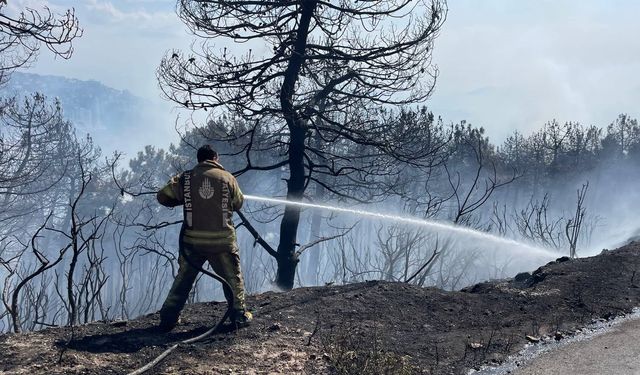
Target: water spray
[{"x": 432, "y": 224}]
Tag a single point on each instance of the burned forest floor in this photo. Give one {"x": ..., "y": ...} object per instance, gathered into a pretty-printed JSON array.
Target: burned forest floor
[{"x": 366, "y": 328}]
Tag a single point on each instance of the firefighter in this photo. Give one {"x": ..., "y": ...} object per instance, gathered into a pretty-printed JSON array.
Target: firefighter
[{"x": 209, "y": 195}]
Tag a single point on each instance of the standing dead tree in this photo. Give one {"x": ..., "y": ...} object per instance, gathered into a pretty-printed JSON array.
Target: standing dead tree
[
  {"x": 575, "y": 224},
  {"x": 33, "y": 140},
  {"x": 470, "y": 197},
  {"x": 534, "y": 223},
  {"x": 44, "y": 265},
  {"x": 311, "y": 69},
  {"x": 83, "y": 232},
  {"x": 398, "y": 249}
]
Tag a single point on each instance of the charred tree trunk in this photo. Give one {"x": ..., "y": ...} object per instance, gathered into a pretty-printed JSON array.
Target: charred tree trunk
[{"x": 287, "y": 258}]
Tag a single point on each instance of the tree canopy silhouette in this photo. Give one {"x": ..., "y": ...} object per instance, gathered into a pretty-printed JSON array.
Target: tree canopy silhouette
[{"x": 311, "y": 80}]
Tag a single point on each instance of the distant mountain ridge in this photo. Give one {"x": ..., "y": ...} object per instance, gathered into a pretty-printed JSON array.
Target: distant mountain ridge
[
  {"x": 109, "y": 115},
  {"x": 90, "y": 105}
]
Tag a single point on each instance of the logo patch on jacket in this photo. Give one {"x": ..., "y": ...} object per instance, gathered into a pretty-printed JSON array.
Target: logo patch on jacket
[{"x": 206, "y": 190}]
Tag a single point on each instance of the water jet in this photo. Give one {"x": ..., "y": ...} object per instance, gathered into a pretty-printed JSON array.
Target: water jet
[{"x": 432, "y": 224}]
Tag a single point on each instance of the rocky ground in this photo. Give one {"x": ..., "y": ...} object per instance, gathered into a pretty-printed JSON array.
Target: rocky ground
[{"x": 373, "y": 327}]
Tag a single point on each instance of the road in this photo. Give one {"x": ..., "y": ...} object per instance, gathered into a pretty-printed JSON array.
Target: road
[{"x": 616, "y": 352}]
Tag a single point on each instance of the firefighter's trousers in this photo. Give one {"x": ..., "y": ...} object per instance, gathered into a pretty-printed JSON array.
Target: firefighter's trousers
[{"x": 225, "y": 261}]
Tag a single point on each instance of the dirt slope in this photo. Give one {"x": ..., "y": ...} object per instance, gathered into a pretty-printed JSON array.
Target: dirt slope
[{"x": 358, "y": 327}]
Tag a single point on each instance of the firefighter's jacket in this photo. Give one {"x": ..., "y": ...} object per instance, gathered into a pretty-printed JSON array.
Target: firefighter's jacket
[{"x": 209, "y": 195}]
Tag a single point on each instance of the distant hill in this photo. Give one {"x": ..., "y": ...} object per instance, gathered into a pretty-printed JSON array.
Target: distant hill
[{"x": 116, "y": 119}]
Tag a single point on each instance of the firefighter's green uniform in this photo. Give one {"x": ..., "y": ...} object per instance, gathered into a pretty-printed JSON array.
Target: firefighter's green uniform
[{"x": 209, "y": 195}]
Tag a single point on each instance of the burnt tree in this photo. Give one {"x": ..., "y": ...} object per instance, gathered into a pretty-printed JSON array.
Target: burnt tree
[{"x": 305, "y": 70}]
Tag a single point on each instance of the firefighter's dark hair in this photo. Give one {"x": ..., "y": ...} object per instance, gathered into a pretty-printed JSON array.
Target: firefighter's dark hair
[{"x": 206, "y": 153}]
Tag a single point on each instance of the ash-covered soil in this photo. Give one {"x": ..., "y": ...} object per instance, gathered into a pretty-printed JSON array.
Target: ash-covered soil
[{"x": 372, "y": 327}]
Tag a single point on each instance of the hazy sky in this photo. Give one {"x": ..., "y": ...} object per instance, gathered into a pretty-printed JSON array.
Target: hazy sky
[{"x": 504, "y": 64}]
